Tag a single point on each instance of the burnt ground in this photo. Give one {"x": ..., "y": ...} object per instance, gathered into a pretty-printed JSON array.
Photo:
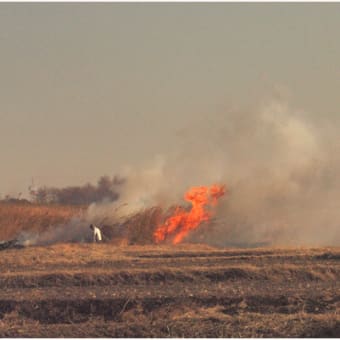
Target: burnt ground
[{"x": 185, "y": 291}]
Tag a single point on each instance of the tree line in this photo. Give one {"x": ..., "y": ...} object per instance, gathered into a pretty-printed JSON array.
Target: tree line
[{"x": 106, "y": 189}]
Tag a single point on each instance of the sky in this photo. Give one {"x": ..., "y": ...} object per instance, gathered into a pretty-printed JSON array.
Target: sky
[{"x": 87, "y": 89}]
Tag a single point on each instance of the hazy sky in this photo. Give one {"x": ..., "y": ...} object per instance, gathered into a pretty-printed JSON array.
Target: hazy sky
[{"x": 88, "y": 88}]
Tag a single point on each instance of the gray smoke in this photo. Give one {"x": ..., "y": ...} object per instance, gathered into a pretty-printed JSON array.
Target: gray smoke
[
  {"x": 76, "y": 230},
  {"x": 109, "y": 215},
  {"x": 280, "y": 167}
]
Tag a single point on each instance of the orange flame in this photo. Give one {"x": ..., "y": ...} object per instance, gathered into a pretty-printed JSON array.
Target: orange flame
[{"x": 182, "y": 222}]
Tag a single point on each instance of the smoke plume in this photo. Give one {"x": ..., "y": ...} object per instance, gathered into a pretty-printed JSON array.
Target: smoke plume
[
  {"x": 278, "y": 164},
  {"x": 280, "y": 171},
  {"x": 76, "y": 230}
]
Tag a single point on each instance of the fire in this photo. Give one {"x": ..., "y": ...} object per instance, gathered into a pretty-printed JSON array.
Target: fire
[{"x": 182, "y": 221}]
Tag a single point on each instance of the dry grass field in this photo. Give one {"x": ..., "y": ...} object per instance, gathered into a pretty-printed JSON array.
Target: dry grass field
[
  {"x": 120, "y": 290},
  {"x": 15, "y": 218},
  {"x": 102, "y": 290}
]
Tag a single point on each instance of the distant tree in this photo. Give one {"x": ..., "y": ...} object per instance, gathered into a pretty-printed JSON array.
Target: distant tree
[{"x": 106, "y": 188}]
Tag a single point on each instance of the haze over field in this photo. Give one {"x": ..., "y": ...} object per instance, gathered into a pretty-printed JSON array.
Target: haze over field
[
  {"x": 171, "y": 96},
  {"x": 185, "y": 164}
]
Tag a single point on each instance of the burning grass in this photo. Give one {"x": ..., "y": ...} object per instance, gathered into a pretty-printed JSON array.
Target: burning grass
[
  {"x": 43, "y": 221},
  {"x": 130, "y": 287},
  {"x": 42, "y": 225},
  {"x": 181, "y": 222}
]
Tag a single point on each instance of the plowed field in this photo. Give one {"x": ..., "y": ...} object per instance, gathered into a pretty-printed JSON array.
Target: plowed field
[{"x": 99, "y": 290}]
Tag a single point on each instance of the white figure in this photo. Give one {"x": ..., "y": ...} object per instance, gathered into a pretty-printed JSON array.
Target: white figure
[{"x": 97, "y": 234}]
